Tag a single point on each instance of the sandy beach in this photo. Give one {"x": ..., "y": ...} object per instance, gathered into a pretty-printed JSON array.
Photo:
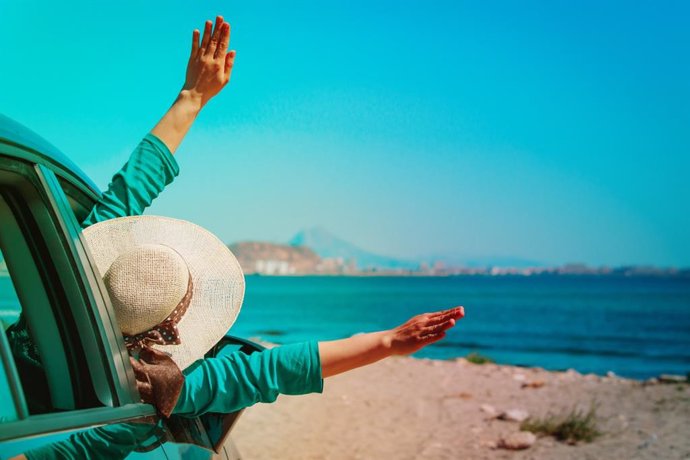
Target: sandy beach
[{"x": 405, "y": 408}]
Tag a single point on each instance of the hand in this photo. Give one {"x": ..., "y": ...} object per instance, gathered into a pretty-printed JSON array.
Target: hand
[
  {"x": 421, "y": 331},
  {"x": 208, "y": 71},
  {"x": 210, "y": 63}
]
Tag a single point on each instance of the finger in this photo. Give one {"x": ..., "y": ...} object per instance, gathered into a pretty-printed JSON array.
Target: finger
[
  {"x": 207, "y": 36},
  {"x": 195, "y": 42},
  {"x": 442, "y": 313},
  {"x": 435, "y": 329},
  {"x": 429, "y": 339},
  {"x": 229, "y": 63},
  {"x": 457, "y": 313},
  {"x": 213, "y": 43},
  {"x": 438, "y": 320},
  {"x": 137, "y": 367},
  {"x": 224, "y": 41}
]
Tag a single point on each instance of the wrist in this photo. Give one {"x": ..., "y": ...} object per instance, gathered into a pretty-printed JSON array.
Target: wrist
[
  {"x": 190, "y": 100},
  {"x": 385, "y": 342},
  {"x": 174, "y": 125}
]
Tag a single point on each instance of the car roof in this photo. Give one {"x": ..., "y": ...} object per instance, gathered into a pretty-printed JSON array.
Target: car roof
[{"x": 39, "y": 151}]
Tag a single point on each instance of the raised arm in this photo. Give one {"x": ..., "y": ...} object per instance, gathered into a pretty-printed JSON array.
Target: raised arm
[
  {"x": 208, "y": 71},
  {"x": 151, "y": 167}
]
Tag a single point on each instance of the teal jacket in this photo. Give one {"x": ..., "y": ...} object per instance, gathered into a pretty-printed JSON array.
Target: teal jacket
[{"x": 227, "y": 383}]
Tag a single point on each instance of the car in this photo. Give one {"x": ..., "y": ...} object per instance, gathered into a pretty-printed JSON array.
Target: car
[{"x": 47, "y": 275}]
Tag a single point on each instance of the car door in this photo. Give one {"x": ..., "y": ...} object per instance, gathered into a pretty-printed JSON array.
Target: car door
[{"x": 66, "y": 372}]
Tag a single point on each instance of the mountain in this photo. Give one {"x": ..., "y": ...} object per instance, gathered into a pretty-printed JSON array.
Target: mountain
[
  {"x": 329, "y": 246},
  {"x": 275, "y": 259}
]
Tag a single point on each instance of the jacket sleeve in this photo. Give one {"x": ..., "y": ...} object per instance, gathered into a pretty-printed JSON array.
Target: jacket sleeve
[
  {"x": 132, "y": 189},
  {"x": 228, "y": 383}
]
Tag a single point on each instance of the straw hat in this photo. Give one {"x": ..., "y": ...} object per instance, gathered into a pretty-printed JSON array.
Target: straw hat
[{"x": 171, "y": 277}]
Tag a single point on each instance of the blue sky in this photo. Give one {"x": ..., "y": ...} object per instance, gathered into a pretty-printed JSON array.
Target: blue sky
[{"x": 555, "y": 131}]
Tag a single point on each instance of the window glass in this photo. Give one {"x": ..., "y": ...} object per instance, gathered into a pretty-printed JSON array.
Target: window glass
[
  {"x": 41, "y": 335},
  {"x": 8, "y": 412},
  {"x": 9, "y": 314},
  {"x": 9, "y": 303},
  {"x": 32, "y": 277}
]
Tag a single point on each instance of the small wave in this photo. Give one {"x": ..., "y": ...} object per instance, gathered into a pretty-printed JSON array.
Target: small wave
[
  {"x": 616, "y": 339},
  {"x": 573, "y": 351}
]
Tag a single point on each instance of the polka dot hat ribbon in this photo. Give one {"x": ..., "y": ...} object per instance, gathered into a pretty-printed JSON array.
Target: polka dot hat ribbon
[
  {"x": 165, "y": 332},
  {"x": 159, "y": 379}
]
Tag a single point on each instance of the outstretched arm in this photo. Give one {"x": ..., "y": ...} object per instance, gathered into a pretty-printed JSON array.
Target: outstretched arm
[
  {"x": 208, "y": 71},
  {"x": 232, "y": 382},
  {"x": 340, "y": 356}
]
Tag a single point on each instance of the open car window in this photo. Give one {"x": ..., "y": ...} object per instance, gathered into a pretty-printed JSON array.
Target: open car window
[
  {"x": 11, "y": 403},
  {"x": 36, "y": 343},
  {"x": 43, "y": 351},
  {"x": 9, "y": 302}
]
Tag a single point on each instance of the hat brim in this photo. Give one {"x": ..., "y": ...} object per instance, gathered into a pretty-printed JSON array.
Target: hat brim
[{"x": 216, "y": 275}]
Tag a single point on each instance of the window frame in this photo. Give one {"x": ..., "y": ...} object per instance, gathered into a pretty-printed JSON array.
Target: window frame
[
  {"x": 65, "y": 251},
  {"x": 30, "y": 287},
  {"x": 95, "y": 302}
]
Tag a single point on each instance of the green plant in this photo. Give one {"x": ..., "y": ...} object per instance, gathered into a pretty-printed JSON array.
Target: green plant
[
  {"x": 476, "y": 358},
  {"x": 571, "y": 428}
]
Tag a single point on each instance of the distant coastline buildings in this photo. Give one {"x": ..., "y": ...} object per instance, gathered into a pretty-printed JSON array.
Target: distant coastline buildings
[
  {"x": 282, "y": 259},
  {"x": 272, "y": 259},
  {"x": 262, "y": 258}
]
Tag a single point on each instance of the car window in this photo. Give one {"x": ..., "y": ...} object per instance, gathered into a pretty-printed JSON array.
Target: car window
[
  {"x": 42, "y": 335},
  {"x": 9, "y": 314},
  {"x": 9, "y": 303},
  {"x": 22, "y": 353},
  {"x": 74, "y": 204},
  {"x": 8, "y": 412},
  {"x": 47, "y": 397}
]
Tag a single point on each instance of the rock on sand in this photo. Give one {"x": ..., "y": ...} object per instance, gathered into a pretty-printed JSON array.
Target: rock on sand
[{"x": 518, "y": 441}]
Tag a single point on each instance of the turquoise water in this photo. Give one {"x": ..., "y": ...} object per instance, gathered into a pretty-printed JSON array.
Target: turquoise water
[{"x": 636, "y": 327}]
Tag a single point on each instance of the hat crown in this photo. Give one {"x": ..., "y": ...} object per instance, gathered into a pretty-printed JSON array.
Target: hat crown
[{"x": 145, "y": 285}]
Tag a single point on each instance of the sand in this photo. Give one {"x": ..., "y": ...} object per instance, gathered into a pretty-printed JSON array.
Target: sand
[{"x": 405, "y": 408}]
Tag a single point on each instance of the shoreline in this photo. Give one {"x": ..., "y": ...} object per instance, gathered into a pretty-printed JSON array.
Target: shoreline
[
  {"x": 683, "y": 274},
  {"x": 663, "y": 377},
  {"x": 412, "y": 408}
]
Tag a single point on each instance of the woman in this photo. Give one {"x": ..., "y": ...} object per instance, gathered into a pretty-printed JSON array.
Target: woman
[{"x": 236, "y": 381}]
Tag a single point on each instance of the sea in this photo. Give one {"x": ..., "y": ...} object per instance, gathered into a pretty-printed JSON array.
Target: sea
[{"x": 636, "y": 327}]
